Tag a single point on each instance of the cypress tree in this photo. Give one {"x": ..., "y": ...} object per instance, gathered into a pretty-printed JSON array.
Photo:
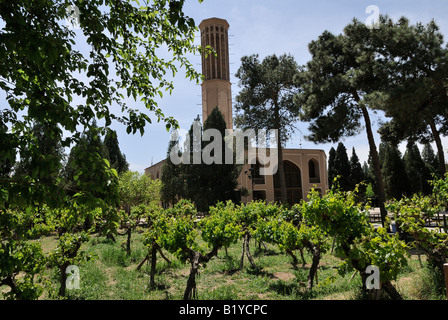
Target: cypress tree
[
  {"x": 395, "y": 178},
  {"x": 331, "y": 172},
  {"x": 356, "y": 172},
  {"x": 342, "y": 167},
  {"x": 41, "y": 160},
  {"x": 430, "y": 159},
  {"x": 222, "y": 177},
  {"x": 89, "y": 143},
  {"x": 417, "y": 172},
  {"x": 366, "y": 170},
  {"x": 116, "y": 158},
  {"x": 209, "y": 183},
  {"x": 196, "y": 184},
  {"x": 49, "y": 164},
  {"x": 172, "y": 179}
]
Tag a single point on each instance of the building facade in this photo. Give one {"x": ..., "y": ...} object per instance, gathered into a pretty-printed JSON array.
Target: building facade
[{"x": 304, "y": 168}]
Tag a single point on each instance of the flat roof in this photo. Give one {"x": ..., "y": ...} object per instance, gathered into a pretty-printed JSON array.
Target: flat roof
[{"x": 210, "y": 21}]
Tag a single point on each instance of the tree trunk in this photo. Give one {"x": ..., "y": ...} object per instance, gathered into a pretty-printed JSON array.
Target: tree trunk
[
  {"x": 261, "y": 243},
  {"x": 376, "y": 163},
  {"x": 246, "y": 251},
  {"x": 303, "y": 258},
  {"x": 243, "y": 252},
  {"x": 249, "y": 256},
  {"x": 313, "y": 270},
  {"x": 63, "y": 279},
  {"x": 64, "y": 266},
  {"x": 385, "y": 287},
  {"x": 440, "y": 151},
  {"x": 196, "y": 258},
  {"x": 128, "y": 241},
  {"x": 152, "y": 282},
  {"x": 281, "y": 168},
  {"x": 190, "y": 291}
]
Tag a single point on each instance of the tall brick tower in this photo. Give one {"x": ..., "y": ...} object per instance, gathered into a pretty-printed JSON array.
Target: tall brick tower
[{"x": 216, "y": 88}]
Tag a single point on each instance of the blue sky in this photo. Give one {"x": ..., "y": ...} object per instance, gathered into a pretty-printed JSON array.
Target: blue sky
[{"x": 269, "y": 27}]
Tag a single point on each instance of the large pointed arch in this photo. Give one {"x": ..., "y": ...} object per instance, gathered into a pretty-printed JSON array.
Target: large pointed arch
[{"x": 293, "y": 179}]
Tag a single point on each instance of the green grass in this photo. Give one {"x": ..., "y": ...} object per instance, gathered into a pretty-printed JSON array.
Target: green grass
[{"x": 112, "y": 275}]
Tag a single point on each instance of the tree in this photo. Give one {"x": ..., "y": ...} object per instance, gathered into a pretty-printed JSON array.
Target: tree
[
  {"x": 331, "y": 172},
  {"x": 7, "y": 147},
  {"x": 357, "y": 177},
  {"x": 356, "y": 241},
  {"x": 48, "y": 79},
  {"x": 172, "y": 179},
  {"x": 417, "y": 172},
  {"x": 335, "y": 86},
  {"x": 206, "y": 184},
  {"x": 77, "y": 172},
  {"x": 222, "y": 176},
  {"x": 136, "y": 192},
  {"x": 266, "y": 100},
  {"x": 356, "y": 172},
  {"x": 430, "y": 159},
  {"x": 51, "y": 156},
  {"x": 43, "y": 168},
  {"x": 365, "y": 169},
  {"x": 89, "y": 180},
  {"x": 116, "y": 158},
  {"x": 18, "y": 255},
  {"x": 43, "y": 72},
  {"x": 342, "y": 167},
  {"x": 290, "y": 231},
  {"x": 138, "y": 189},
  {"x": 68, "y": 253},
  {"x": 177, "y": 234},
  {"x": 247, "y": 216},
  {"x": 417, "y": 67},
  {"x": 410, "y": 215},
  {"x": 396, "y": 181}
]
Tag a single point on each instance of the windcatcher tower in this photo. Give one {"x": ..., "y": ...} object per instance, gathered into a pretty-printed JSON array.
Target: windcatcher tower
[{"x": 216, "y": 88}]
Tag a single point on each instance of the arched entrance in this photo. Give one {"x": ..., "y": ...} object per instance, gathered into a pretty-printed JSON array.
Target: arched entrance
[
  {"x": 293, "y": 179},
  {"x": 313, "y": 168}
]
